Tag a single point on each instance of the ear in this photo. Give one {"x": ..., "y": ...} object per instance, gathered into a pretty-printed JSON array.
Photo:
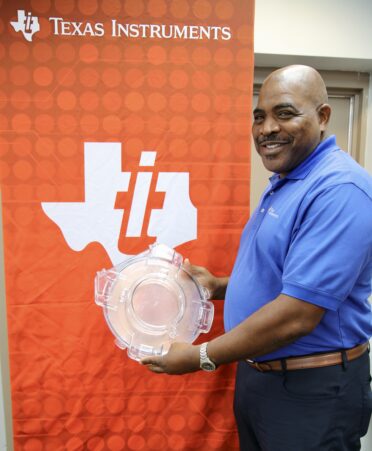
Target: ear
[{"x": 324, "y": 114}]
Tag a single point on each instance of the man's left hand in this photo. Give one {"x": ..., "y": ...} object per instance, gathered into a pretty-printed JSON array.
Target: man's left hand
[{"x": 181, "y": 358}]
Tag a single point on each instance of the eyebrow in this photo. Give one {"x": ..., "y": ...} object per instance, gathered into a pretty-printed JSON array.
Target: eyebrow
[
  {"x": 277, "y": 107},
  {"x": 285, "y": 105}
]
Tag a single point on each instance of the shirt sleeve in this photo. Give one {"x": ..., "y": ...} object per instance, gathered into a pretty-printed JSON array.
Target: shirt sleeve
[{"x": 331, "y": 248}]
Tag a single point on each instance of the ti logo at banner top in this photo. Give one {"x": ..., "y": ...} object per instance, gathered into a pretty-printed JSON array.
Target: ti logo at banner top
[
  {"x": 122, "y": 207},
  {"x": 26, "y": 23},
  {"x": 29, "y": 24}
]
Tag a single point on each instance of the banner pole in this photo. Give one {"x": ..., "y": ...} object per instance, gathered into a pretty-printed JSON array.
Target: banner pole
[{"x": 6, "y": 428}]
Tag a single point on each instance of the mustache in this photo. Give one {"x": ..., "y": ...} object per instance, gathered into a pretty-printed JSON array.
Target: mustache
[{"x": 271, "y": 138}]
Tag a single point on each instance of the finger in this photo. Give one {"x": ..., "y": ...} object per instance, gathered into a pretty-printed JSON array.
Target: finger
[
  {"x": 154, "y": 368},
  {"x": 146, "y": 361},
  {"x": 153, "y": 360},
  {"x": 189, "y": 266}
]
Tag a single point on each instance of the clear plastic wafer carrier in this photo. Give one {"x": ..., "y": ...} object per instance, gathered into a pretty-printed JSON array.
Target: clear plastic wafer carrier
[{"x": 151, "y": 300}]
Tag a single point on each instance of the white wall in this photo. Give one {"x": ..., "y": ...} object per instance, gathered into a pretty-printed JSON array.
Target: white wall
[
  {"x": 327, "y": 34},
  {"x": 332, "y": 29},
  {"x": 368, "y": 153}
]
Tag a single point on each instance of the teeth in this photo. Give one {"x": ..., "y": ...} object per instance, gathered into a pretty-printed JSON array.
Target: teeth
[{"x": 272, "y": 146}]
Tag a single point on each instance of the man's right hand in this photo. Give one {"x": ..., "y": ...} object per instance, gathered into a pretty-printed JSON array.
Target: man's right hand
[{"x": 215, "y": 285}]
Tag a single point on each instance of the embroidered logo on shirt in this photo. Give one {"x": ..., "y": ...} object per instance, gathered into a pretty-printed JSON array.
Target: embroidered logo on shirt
[{"x": 271, "y": 212}]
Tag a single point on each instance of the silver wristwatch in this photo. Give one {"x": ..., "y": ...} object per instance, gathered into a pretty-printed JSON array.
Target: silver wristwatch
[{"x": 206, "y": 363}]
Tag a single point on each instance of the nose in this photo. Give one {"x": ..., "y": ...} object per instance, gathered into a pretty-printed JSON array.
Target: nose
[{"x": 268, "y": 126}]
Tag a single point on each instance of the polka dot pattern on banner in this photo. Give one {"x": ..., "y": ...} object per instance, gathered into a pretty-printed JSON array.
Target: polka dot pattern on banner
[
  {"x": 186, "y": 99},
  {"x": 42, "y": 52}
]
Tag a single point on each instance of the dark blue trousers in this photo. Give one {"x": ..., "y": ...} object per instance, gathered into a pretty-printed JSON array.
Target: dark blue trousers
[{"x": 320, "y": 409}]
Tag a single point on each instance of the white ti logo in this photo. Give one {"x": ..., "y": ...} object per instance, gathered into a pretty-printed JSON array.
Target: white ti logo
[
  {"x": 121, "y": 206},
  {"x": 26, "y": 23}
]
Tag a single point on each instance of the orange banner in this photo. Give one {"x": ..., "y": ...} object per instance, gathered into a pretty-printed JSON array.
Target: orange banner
[{"x": 121, "y": 123}]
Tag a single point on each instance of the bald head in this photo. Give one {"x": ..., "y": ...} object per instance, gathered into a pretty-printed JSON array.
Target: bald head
[{"x": 303, "y": 79}]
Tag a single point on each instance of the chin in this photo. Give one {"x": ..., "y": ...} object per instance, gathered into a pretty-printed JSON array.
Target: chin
[{"x": 273, "y": 168}]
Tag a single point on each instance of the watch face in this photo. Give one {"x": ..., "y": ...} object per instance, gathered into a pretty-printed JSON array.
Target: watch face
[{"x": 206, "y": 366}]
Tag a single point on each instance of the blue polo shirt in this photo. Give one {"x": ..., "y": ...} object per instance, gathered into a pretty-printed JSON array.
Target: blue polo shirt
[{"x": 310, "y": 238}]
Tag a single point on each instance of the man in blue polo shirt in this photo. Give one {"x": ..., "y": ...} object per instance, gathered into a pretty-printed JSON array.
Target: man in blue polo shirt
[{"x": 297, "y": 315}]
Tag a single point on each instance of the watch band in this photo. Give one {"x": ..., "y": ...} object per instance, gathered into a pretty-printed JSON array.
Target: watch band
[{"x": 206, "y": 363}]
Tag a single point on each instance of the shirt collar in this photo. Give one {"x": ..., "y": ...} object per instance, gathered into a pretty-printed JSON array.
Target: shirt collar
[{"x": 303, "y": 169}]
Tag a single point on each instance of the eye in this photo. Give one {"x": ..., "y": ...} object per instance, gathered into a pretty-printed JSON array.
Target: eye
[
  {"x": 258, "y": 118},
  {"x": 285, "y": 114}
]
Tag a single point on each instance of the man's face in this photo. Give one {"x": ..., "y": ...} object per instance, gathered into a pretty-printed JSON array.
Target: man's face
[{"x": 287, "y": 126}]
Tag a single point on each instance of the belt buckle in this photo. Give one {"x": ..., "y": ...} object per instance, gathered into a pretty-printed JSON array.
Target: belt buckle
[{"x": 259, "y": 365}]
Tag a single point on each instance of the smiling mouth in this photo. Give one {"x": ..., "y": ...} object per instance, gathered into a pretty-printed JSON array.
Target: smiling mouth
[{"x": 271, "y": 148}]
